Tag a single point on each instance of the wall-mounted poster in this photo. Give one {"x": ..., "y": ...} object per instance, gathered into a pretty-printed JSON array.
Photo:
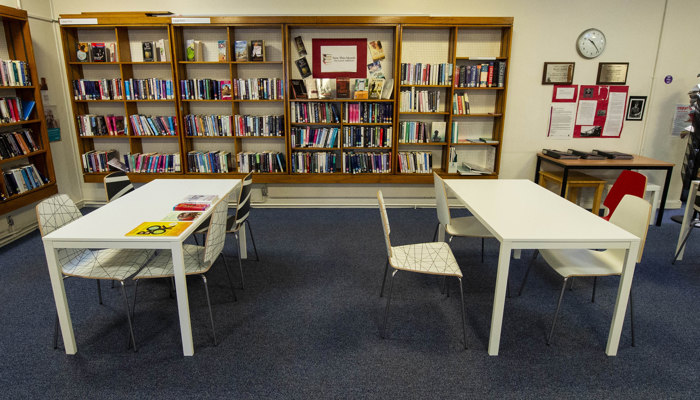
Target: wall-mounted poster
[{"x": 334, "y": 58}]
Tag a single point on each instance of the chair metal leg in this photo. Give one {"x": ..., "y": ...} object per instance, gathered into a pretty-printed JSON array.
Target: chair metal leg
[
  {"x": 128, "y": 315},
  {"x": 211, "y": 315},
  {"x": 464, "y": 323},
  {"x": 228, "y": 274},
  {"x": 99, "y": 290},
  {"x": 240, "y": 262},
  {"x": 482, "y": 250},
  {"x": 554, "y": 321},
  {"x": 632, "y": 317},
  {"x": 435, "y": 235},
  {"x": 388, "y": 302},
  {"x": 595, "y": 281},
  {"x": 252, "y": 239},
  {"x": 386, "y": 269},
  {"x": 527, "y": 272},
  {"x": 682, "y": 246}
]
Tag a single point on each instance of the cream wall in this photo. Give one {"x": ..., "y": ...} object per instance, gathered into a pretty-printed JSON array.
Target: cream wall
[{"x": 544, "y": 30}]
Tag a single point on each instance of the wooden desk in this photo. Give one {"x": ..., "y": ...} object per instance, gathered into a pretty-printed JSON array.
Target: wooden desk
[
  {"x": 106, "y": 227},
  {"x": 638, "y": 162},
  {"x": 540, "y": 219}
]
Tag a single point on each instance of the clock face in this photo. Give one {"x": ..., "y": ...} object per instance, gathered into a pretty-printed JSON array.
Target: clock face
[{"x": 590, "y": 43}]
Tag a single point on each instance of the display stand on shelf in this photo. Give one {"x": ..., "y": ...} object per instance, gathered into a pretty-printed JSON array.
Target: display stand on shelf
[
  {"x": 26, "y": 167},
  {"x": 242, "y": 104}
]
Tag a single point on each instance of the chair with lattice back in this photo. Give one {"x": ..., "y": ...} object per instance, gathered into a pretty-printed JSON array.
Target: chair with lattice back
[
  {"x": 198, "y": 259},
  {"x": 107, "y": 264}
]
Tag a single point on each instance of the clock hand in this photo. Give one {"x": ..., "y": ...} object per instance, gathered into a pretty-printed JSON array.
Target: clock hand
[{"x": 593, "y": 43}]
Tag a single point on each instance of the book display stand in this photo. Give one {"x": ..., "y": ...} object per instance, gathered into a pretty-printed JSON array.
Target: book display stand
[
  {"x": 254, "y": 94},
  {"x": 27, "y": 173}
]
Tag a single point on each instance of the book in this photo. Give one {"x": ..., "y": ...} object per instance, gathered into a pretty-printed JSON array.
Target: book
[
  {"x": 225, "y": 90},
  {"x": 376, "y": 50},
  {"x": 376, "y": 86},
  {"x": 159, "y": 228},
  {"x": 325, "y": 88},
  {"x": 257, "y": 50},
  {"x": 438, "y": 131},
  {"x": 222, "y": 46},
  {"x": 614, "y": 155},
  {"x": 559, "y": 154},
  {"x": 299, "y": 44},
  {"x": 388, "y": 89},
  {"x": 148, "y": 51},
  {"x": 98, "y": 52},
  {"x": 311, "y": 89},
  {"x": 299, "y": 89},
  {"x": 342, "y": 88},
  {"x": 182, "y": 216},
  {"x": 303, "y": 67},
  {"x": 83, "y": 52},
  {"x": 240, "y": 50}
]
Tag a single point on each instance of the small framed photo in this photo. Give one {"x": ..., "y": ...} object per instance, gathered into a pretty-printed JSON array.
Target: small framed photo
[
  {"x": 558, "y": 73},
  {"x": 612, "y": 73},
  {"x": 635, "y": 108}
]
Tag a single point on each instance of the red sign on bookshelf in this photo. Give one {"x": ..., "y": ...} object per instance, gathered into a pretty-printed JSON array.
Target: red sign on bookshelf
[{"x": 335, "y": 58}]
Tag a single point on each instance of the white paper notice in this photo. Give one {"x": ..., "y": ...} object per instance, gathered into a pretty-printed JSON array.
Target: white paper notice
[
  {"x": 586, "y": 112},
  {"x": 615, "y": 114},
  {"x": 561, "y": 122},
  {"x": 338, "y": 58},
  {"x": 567, "y": 93}
]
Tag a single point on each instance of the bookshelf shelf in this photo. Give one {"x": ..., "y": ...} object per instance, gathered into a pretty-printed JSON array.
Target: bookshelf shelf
[
  {"x": 15, "y": 194},
  {"x": 405, "y": 40}
]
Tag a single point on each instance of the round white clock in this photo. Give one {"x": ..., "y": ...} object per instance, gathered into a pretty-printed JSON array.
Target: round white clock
[{"x": 590, "y": 43}]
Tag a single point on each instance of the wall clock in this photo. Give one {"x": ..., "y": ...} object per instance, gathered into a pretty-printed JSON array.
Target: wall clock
[{"x": 590, "y": 43}]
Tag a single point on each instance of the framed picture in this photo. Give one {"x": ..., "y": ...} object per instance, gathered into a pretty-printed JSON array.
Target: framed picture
[
  {"x": 635, "y": 108},
  {"x": 558, "y": 73},
  {"x": 612, "y": 73},
  {"x": 335, "y": 58}
]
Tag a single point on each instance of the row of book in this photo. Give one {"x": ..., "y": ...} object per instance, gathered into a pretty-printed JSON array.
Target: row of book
[
  {"x": 460, "y": 104},
  {"x": 208, "y": 162},
  {"x": 426, "y": 74},
  {"x": 22, "y": 179},
  {"x": 323, "y": 113},
  {"x": 238, "y": 89},
  {"x": 99, "y": 161},
  {"x": 367, "y": 136},
  {"x": 149, "y": 89},
  {"x": 415, "y": 162},
  {"x": 15, "y": 144},
  {"x": 422, "y": 132},
  {"x": 368, "y": 113},
  {"x": 14, "y": 73},
  {"x": 266, "y": 161},
  {"x": 14, "y": 109},
  {"x": 314, "y": 137},
  {"x": 234, "y": 125},
  {"x": 103, "y": 89},
  {"x": 491, "y": 74},
  {"x": 420, "y": 101}
]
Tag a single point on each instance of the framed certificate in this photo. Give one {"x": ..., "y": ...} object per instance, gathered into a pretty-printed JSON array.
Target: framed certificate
[
  {"x": 612, "y": 73},
  {"x": 558, "y": 73}
]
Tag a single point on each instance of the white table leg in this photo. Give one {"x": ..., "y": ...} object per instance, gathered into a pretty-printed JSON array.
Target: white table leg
[
  {"x": 243, "y": 242},
  {"x": 499, "y": 298},
  {"x": 59, "y": 295},
  {"x": 623, "y": 294},
  {"x": 183, "y": 305}
]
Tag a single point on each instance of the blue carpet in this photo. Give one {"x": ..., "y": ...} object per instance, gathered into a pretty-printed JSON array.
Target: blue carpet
[{"x": 307, "y": 324}]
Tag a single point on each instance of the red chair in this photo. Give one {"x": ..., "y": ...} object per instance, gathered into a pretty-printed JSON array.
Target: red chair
[{"x": 629, "y": 182}]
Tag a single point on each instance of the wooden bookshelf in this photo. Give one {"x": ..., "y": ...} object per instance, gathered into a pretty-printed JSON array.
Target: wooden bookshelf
[
  {"x": 19, "y": 47},
  {"x": 449, "y": 40}
]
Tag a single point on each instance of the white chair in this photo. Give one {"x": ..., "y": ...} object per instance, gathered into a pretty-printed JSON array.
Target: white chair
[
  {"x": 631, "y": 214},
  {"x": 109, "y": 264},
  {"x": 198, "y": 259},
  {"x": 434, "y": 258},
  {"x": 690, "y": 220},
  {"x": 463, "y": 226}
]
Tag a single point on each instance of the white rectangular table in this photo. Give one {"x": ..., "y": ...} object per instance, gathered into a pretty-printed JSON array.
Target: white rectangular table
[
  {"x": 106, "y": 228},
  {"x": 524, "y": 215}
]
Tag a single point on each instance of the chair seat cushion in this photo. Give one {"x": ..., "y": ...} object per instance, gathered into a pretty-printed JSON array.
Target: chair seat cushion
[
  {"x": 114, "y": 264},
  {"x": 583, "y": 262},
  {"x": 161, "y": 266},
  {"x": 467, "y": 226},
  {"x": 428, "y": 258}
]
